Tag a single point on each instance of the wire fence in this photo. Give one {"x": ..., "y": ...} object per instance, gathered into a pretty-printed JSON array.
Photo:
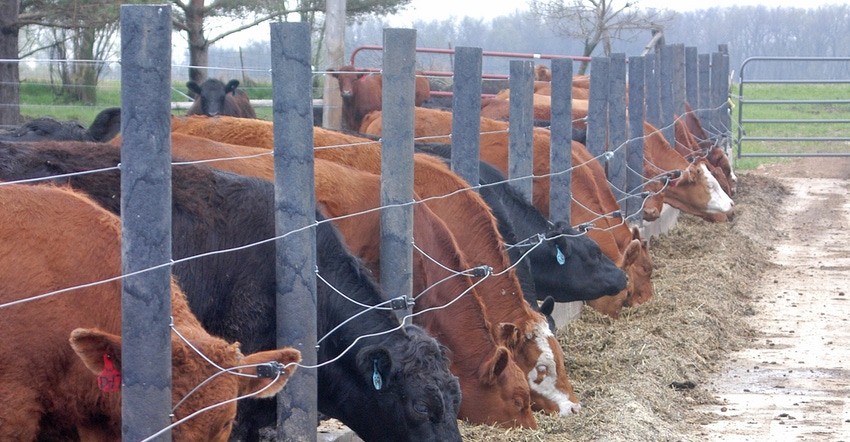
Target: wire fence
[{"x": 107, "y": 88}]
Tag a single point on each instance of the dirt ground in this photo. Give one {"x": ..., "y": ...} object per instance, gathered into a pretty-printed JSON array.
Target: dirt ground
[{"x": 793, "y": 382}]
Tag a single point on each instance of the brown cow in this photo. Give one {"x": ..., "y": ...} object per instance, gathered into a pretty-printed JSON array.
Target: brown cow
[
  {"x": 689, "y": 148},
  {"x": 53, "y": 238},
  {"x": 364, "y": 154},
  {"x": 361, "y": 93},
  {"x": 213, "y": 98},
  {"x": 716, "y": 155},
  {"x": 542, "y": 73},
  {"x": 696, "y": 191},
  {"x": 499, "y": 109},
  {"x": 494, "y": 388}
]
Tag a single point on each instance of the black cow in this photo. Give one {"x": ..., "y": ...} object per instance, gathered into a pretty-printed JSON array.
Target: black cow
[
  {"x": 214, "y": 98},
  {"x": 105, "y": 127},
  {"x": 233, "y": 295},
  {"x": 568, "y": 266}
]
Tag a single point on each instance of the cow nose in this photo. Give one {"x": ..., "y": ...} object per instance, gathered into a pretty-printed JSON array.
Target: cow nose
[{"x": 574, "y": 409}]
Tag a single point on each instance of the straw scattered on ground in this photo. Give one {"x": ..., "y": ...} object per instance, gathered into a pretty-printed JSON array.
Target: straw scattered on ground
[{"x": 623, "y": 370}]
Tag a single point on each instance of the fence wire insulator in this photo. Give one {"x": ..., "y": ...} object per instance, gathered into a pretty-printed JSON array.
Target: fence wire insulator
[
  {"x": 645, "y": 195},
  {"x": 608, "y": 155},
  {"x": 269, "y": 370},
  {"x": 617, "y": 214},
  {"x": 482, "y": 271},
  {"x": 584, "y": 227},
  {"x": 401, "y": 303}
]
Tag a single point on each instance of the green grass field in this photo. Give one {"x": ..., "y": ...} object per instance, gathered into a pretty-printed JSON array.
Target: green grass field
[
  {"x": 791, "y": 111},
  {"x": 38, "y": 99}
]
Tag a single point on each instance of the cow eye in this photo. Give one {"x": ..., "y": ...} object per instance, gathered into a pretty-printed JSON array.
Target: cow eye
[{"x": 420, "y": 407}]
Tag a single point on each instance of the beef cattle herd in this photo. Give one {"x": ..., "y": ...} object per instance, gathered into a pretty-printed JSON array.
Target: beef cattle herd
[{"x": 487, "y": 268}]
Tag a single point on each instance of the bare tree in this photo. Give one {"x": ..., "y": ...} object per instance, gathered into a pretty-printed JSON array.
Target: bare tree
[
  {"x": 598, "y": 21},
  {"x": 191, "y": 15}
]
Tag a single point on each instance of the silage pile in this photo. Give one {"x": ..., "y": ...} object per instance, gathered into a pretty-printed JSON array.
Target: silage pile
[{"x": 623, "y": 370}]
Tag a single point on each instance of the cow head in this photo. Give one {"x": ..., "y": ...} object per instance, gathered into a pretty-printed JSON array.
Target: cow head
[
  {"x": 697, "y": 192},
  {"x": 212, "y": 94},
  {"x": 638, "y": 264},
  {"x": 190, "y": 370},
  {"x": 542, "y": 73},
  {"x": 717, "y": 157},
  {"x": 654, "y": 203},
  {"x": 407, "y": 390},
  {"x": 347, "y": 76},
  {"x": 541, "y": 355},
  {"x": 569, "y": 266},
  {"x": 500, "y": 395}
]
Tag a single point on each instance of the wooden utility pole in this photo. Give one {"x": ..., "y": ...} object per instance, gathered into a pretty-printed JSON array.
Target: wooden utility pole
[{"x": 334, "y": 57}]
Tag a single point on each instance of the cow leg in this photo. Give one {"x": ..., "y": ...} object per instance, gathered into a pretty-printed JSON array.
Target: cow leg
[{"x": 21, "y": 413}]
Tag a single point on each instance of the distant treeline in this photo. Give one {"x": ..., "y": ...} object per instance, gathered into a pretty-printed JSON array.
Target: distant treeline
[{"x": 747, "y": 30}]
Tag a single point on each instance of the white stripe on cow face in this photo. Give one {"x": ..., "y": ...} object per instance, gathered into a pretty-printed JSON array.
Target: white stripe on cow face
[
  {"x": 718, "y": 201},
  {"x": 547, "y": 387}
]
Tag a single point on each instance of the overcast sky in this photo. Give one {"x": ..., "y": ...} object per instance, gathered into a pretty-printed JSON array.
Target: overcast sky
[{"x": 429, "y": 10}]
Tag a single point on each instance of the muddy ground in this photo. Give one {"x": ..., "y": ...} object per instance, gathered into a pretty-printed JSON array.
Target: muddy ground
[{"x": 746, "y": 338}]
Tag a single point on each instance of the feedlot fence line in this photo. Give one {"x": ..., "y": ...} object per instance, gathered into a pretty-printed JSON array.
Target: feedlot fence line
[
  {"x": 663, "y": 75},
  {"x": 779, "y": 117}
]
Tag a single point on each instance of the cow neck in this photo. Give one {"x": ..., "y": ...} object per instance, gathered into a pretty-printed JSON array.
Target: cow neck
[
  {"x": 475, "y": 230},
  {"x": 659, "y": 154}
]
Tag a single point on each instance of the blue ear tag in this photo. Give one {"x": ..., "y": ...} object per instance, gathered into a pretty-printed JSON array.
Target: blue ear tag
[
  {"x": 377, "y": 380},
  {"x": 560, "y": 256}
]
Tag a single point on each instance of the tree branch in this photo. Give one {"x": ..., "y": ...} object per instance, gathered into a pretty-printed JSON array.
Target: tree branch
[{"x": 248, "y": 25}]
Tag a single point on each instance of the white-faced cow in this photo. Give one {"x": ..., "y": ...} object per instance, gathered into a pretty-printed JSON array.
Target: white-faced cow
[{"x": 213, "y": 98}]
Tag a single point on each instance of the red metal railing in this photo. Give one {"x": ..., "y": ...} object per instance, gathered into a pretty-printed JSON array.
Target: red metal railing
[{"x": 452, "y": 51}]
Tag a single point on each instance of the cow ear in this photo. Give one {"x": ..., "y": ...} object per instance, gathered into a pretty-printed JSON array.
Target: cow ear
[
  {"x": 193, "y": 87},
  {"x": 548, "y": 306},
  {"x": 231, "y": 87},
  {"x": 494, "y": 366},
  {"x": 91, "y": 345},
  {"x": 378, "y": 363},
  {"x": 287, "y": 357},
  {"x": 630, "y": 255},
  {"x": 360, "y": 75},
  {"x": 508, "y": 334},
  {"x": 106, "y": 125}
]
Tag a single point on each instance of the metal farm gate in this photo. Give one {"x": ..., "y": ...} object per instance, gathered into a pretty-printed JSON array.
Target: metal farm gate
[{"x": 807, "y": 114}]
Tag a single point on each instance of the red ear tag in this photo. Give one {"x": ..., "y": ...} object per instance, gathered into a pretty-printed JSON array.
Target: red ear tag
[{"x": 109, "y": 380}]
